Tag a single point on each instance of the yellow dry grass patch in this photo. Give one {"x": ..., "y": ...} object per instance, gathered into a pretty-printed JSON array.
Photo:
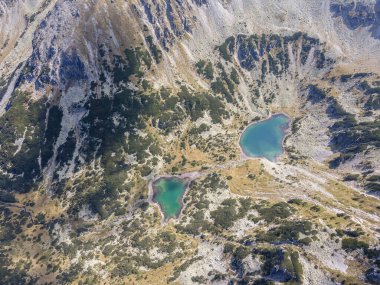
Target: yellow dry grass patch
[
  {"x": 350, "y": 197},
  {"x": 328, "y": 217},
  {"x": 360, "y": 64},
  {"x": 347, "y": 199},
  {"x": 334, "y": 92},
  {"x": 353, "y": 199},
  {"x": 158, "y": 276},
  {"x": 263, "y": 184},
  {"x": 193, "y": 154},
  {"x": 28, "y": 250},
  {"x": 292, "y": 112},
  {"x": 42, "y": 204}
]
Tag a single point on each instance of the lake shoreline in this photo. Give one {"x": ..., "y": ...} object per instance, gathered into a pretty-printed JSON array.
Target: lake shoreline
[
  {"x": 187, "y": 178},
  {"x": 285, "y": 132}
]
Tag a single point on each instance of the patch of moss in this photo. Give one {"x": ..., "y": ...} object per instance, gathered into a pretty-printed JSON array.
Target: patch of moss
[
  {"x": 350, "y": 244},
  {"x": 23, "y": 116},
  {"x": 288, "y": 232},
  {"x": 227, "y": 48},
  {"x": 225, "y": 216},
  {"x": 278, "y": 211}
]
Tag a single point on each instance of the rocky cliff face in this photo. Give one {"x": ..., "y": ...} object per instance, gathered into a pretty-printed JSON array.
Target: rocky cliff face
[{"x": 99, "y": 97}]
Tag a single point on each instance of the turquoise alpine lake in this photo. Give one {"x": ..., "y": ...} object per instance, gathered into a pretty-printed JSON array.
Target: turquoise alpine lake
[
  {"x": 168, "y": 193},
  {"x": 265, "y": 138}
]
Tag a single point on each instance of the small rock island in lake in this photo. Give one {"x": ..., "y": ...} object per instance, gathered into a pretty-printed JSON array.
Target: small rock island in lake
[{"x": 265, "y": 138}]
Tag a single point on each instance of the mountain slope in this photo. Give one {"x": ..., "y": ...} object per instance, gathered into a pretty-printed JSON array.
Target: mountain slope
[{"x": 99, "y": 98}]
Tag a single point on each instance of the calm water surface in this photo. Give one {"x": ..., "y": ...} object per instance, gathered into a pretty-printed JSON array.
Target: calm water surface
[
  {"x": 168, "y": 193},
  {"x": 264, "y": 139}
]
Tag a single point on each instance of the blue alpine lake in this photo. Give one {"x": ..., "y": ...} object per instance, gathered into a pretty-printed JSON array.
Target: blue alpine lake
[
  {"x": 265, "y": 138},
  {"x": 168, "y": 193}
]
